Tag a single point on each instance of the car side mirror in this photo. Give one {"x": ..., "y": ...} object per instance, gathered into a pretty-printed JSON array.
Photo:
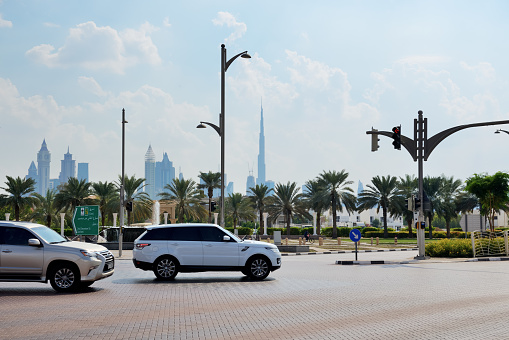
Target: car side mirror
[
  {"x": 226, "y": 238},
  {"x": 34, "y": 242}
]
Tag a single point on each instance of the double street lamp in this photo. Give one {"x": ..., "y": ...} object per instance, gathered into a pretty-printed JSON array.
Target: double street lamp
[
  {"x": 499, "y": 130},
  {"x": 221, "y": 128}
]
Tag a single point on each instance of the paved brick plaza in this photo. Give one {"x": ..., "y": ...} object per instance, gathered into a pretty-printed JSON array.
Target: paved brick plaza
[{"x": 309, "y": 298}]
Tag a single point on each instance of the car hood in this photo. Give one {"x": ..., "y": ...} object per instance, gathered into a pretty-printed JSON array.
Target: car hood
[
  {"x": 80, "y": 245},
  {"x": 258, "y": 244}
]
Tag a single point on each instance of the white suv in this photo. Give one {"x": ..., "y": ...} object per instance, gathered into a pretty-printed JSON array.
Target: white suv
[
  {"x": 169, "y": 249},
  {"x": 32, "y": 252}
]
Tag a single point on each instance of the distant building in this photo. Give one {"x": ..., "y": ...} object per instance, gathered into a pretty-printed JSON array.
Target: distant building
[
  {"x": 67, "y": 168},
  {"x": 270, "y": 184},
  {"x": 165, "y": 174},
  {"x": 32, "y": 173},
  {"x": 250, "y": 183},
  {"x": 43, "y": 168},
  {"x": 83, "y": 172},
  {"x": 229, "y": 189},
  {"x": 150, "y": 172}
]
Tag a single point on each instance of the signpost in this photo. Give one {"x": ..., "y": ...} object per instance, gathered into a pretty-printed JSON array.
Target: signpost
[
  {"x": 85, "y": 220},
  {"x": 355, "y": 236}
]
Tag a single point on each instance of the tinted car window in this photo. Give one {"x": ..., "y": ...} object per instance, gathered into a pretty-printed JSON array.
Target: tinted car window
[
  {"x": 17, "y": 236},
  {"x": 159, "y": 234},
  {"x": 211, "y": 234},
  {"x": 184, "y": 234}
]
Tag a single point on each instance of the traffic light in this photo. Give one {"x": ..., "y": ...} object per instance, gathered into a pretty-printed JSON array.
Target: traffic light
[
  {"x": 410, "y": 203},
  {"x": 213, "y": 206},
  {"x": 396, "y": 135},
  {"x": 417, "y": 203},
  {"x": 129, "y": 206},
  {"x": 374, "y": 140}
]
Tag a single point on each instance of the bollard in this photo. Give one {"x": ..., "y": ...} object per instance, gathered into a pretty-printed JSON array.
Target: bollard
[
  {"x": 339, "y": 241},
  {"x": 286, "y": 241},
  {"x": 371, "y": 240},
  {"x": 268, "y": 239},
  {"x": 377, "y": 240},
  {"x": 320, "y": 241},
  {"x": 300, "y": 241},
  {"x": 395, "y": 240}
]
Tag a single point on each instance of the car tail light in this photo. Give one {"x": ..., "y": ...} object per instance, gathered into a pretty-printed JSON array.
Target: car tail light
[{"x": 142, "y": 245}]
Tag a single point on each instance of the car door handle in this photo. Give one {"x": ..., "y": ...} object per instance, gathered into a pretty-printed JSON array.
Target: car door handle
[{"x": 6, "y": 251}]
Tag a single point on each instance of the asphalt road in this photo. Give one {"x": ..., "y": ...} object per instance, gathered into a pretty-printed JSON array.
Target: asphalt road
[{"x": 310, "y": 297}]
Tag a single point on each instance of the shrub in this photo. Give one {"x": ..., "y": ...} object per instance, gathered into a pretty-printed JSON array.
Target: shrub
[
  {"x": 363, "y": 231},
  {"x": 241, "y": 230},
  {"x": 449, "y": 248}
]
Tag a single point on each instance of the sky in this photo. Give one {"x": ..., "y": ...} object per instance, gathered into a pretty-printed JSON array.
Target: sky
[{"x": 326, "y": 72}]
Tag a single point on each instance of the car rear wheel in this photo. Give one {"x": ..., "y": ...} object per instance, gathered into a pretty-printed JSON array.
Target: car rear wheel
[
  {"x": 65, "y": 278},
  {"x": 258, "y": 268},
  {"x": 166, "y": 268}
]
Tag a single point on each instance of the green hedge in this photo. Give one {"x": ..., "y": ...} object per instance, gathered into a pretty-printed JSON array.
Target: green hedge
[
  {"x": 450, "y": 248},
  {"x": 241, "y": 230}
]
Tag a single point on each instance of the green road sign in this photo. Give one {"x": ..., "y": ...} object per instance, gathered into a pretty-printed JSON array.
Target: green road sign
[{"x": 86, "y": 220}]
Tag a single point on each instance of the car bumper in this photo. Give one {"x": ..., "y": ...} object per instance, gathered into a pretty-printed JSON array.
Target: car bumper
[{"x": 98, "y": 268}]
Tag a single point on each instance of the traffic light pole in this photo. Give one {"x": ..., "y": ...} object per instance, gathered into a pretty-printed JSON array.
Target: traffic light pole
[{"x": 420, "y": 147}]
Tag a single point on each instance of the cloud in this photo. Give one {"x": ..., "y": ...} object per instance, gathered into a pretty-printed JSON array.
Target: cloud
[
  {"x": 52, "y": 25},
  {"x": 5, "y": 23},
  {"x": 89, "y": 84},
  {"x": 166, "y": 22},
  {"x": 225, "y": 18},
  {"x": 100, "y": 48}
]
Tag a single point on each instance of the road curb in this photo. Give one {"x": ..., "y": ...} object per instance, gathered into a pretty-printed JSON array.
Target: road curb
[{"x": 348, "y": 252}]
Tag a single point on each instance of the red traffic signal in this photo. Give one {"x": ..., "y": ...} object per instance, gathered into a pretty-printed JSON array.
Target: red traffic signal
[{"x": 396, "y": 136}]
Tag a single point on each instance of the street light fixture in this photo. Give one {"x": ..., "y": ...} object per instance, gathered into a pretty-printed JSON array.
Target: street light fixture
[
  {"x": 221, "y": 128},
  {"x": 498, "y": 131}
]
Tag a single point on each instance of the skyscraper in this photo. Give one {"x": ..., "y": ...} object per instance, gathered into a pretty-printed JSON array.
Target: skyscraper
[
  {"x": 43, "y": 167},
  {"x": 67, "y": 168},
  {"x": 250, "y": 183},
  {"x": 261, "y": 152},
  {"x": 165, "y": 173},
  {"x": 32, "y": 173},
  {"x": 83, "y": 172},
  {"x": 150, "y": 172}
]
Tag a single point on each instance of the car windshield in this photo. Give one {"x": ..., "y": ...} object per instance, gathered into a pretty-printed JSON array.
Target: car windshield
[
  {"x": 48, "y": 235},
  {"x": 233, "y": 236}
]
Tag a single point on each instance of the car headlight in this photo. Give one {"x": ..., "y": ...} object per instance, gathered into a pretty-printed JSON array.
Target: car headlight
[
  {"x": 88, "y": 253},
  {"x": 275, "y": 250}
]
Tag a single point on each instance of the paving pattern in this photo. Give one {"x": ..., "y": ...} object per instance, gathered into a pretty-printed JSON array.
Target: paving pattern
[{"x": 310, "y": 297}]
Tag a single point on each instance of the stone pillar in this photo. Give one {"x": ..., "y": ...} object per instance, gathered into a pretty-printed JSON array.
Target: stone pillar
[
  {"x": 215, "y": 217},
  {"x": 62, "y": 216},
  {"x": 115, "y": 219},
  {"x": 7, "y": 215},
  {"x": 314, "y": 222},
  {"x": 165, "y": 217},
  {"x": 265, "y": 215}
]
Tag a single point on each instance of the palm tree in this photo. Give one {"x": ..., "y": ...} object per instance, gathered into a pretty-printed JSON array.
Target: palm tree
[
  {"x": 19, "y": 190},
  {"x": 105, "y": 195},
  {"x": 72, "y": 194},
  {"x": 446, "y": 206},
  {"x": 287, "y": 201},
  {"x": 340, "y": 194},
  {"x": 317, "y": 199},
  {"x": 385, "y": 194},
  {"x": 238, "y": 208},
  {"x": 187, "y": 198},
  {"x": 431, "y": 186},
  {"x": 45, "y": 207},
  {"x": 142, "y": 204},
  {"x": 211, "y": 181},
  {"x": 408, "y": 186},
  {"x": 259, "y": 199}
]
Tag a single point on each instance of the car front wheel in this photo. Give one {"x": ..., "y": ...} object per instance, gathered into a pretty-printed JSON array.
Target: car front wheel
[
  {"x": 166, "y": 268},
  {"x": 65, "y": 278},
  {"x": 258, "y": 268}
]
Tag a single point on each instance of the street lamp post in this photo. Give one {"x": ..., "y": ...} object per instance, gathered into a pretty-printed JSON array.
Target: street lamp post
[
  {"x": 221, "y": 128},
  {"x": 121, "y": 219}
]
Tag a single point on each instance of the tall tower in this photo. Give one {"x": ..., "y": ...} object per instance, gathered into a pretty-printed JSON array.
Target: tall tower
[
  {"x": 150, "y": 172},
  {"x": 261, "y": 152},
  {"x": 165, "y": 173},
  {"x": 67, "y": 168},
  {"x": 43, "y": 162},
  {"x": 83, "y": 172}
]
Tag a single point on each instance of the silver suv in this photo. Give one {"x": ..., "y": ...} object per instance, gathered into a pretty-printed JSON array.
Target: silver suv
[
  {"x": 169, "y": 249},
  {"x": 32, "y": 252}
]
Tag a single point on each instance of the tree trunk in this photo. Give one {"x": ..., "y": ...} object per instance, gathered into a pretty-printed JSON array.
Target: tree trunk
[
  {"x": 318, "y": 218},
  {"x": 334, "y": 226},
  {"x": 409, "y": 222},
  {"x": 386, "y": 231}
]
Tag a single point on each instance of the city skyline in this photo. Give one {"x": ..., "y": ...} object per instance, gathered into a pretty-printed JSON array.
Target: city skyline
[{"x": 327, "y": 73}]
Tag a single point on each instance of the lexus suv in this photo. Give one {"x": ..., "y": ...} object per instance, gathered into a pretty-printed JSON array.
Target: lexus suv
[
  {"x": 169, "y": 249},
  {"x": 32, "y": 252}
]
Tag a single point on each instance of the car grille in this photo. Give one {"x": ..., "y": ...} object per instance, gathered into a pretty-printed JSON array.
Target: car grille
[{"x": 110, "y": 261}]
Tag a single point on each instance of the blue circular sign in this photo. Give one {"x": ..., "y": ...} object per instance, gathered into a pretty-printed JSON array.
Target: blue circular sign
[{"x": 355, "y": 235}]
